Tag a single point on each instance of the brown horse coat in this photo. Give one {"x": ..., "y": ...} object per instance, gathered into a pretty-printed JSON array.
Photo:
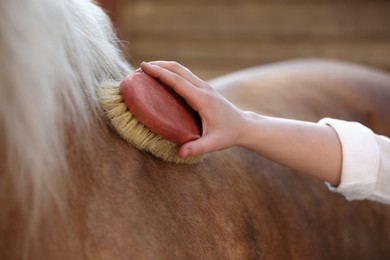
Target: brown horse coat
[
  {"x": 106, "y": 200},
  {"x": 124, "y": 204}
]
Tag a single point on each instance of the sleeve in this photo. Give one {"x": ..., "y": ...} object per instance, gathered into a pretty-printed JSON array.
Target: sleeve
[{"x": 365, "y": 170}]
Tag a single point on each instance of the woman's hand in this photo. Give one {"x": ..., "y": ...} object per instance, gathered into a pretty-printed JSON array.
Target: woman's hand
[
  {"x": 307, "y": 147},
  {"x": 221, "y": 120}
]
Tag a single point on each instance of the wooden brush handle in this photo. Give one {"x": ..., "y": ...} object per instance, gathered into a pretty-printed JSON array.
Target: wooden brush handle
[{"x": 160, "y": 109}]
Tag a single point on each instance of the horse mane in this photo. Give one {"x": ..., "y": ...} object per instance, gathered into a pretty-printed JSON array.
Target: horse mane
[{"x": 53, "y": 54}]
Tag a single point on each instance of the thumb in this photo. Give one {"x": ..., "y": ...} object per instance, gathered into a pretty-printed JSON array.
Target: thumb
[{"x": 195, "y": 148}]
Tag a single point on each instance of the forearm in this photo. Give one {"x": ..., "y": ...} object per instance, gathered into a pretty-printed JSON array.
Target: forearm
[{"x": 307, "y": 147}]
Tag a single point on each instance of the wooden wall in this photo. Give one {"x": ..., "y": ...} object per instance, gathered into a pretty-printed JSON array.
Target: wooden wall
[{"x": 214, "y": 37}]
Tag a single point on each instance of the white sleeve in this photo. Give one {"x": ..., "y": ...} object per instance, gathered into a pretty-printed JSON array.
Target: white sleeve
[{"x": 365, "y": 170}]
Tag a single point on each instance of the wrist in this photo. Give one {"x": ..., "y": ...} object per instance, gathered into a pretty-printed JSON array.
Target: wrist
[{"x": 251, "y": 129}]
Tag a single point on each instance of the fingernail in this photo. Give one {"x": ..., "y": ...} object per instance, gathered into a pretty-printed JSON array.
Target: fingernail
[
  {"x": 187, "y": 152},
  {"x": 138, "y": 70}
]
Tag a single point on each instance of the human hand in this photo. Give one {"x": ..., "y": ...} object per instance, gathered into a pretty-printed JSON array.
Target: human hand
[{"x": 221, "y": 120}]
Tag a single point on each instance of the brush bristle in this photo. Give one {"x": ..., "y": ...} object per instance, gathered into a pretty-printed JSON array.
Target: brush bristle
[{"x": 133, "y": 131}]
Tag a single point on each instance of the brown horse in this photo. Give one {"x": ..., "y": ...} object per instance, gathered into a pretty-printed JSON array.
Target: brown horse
[{"x": 70, "y": 188}]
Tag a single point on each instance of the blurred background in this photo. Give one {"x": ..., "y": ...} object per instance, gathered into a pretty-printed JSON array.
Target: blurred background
[{"x": 215, "y": 37}]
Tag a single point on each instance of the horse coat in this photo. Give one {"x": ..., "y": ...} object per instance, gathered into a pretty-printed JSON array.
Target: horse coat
[{"x": 70, "y": 188}]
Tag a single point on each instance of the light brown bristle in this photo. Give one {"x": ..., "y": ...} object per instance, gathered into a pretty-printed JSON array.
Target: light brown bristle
[{"x": 133, "y": 131}]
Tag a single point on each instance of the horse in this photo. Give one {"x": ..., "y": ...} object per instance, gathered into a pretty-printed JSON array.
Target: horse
[{"x": 71, "y": 188}]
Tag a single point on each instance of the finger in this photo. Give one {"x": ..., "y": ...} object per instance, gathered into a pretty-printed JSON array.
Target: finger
[
  {"x": 194, "y": 148},
  {"x": 182, "y": 71},
  {"x": 190, "y": 149},
  {"x": 180, "y": 85}
]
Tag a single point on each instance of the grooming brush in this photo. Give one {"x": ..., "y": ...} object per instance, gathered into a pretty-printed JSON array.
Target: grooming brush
[{"x": 151, "y": 116}]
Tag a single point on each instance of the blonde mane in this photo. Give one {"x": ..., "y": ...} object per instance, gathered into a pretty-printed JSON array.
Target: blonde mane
[{"x": 53, "y": 54}]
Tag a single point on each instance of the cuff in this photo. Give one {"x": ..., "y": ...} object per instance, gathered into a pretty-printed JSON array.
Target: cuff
[{"x": 361, "y": 157}]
